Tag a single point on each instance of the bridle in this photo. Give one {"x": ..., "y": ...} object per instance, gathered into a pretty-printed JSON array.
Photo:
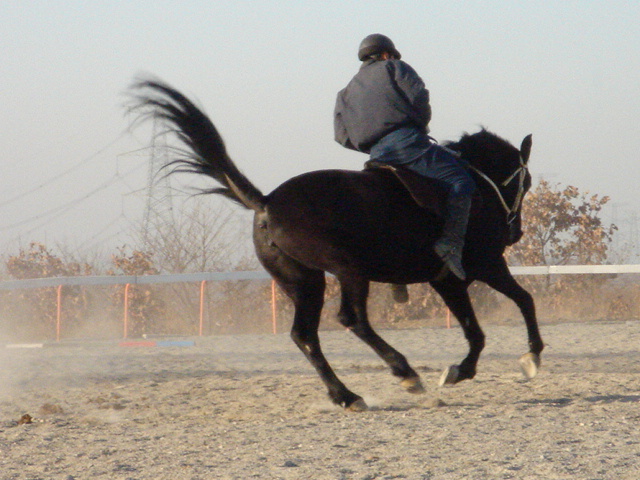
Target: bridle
[{"x": 521, "y": 174}]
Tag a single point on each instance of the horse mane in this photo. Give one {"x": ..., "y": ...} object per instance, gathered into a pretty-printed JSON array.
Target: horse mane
[{"x": 486, "y": 151}]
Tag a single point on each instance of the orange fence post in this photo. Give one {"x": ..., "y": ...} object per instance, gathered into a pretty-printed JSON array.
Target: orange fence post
[
  {"x": 126, "y": 310},
  {"x": 58, "y": 313},
  {"x": 274, "y": 320},
  {"x": 201, "y": 325},
  {"x": 448, "y": 318}
]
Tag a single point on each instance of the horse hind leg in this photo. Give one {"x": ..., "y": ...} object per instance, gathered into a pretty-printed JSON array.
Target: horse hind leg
[
  {"x": 400, "y": 293},
  {"x": 353, "y": 315},
  {"x": 305, "y": 287},
  {"x": 308, "y": 298}
]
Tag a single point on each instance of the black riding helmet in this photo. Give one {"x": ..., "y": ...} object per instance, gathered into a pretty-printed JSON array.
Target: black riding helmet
[{"x": 376, "y": 43}]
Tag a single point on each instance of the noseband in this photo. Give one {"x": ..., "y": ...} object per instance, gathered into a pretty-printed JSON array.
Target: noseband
[{"x": 521, "y": 174}]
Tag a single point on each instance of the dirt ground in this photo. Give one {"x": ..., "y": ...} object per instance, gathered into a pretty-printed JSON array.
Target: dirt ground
[{"x": 242, "y": 407}]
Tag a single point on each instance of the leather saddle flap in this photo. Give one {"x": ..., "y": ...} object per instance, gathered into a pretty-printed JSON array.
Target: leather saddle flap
[{"x": 425, "y": 191}]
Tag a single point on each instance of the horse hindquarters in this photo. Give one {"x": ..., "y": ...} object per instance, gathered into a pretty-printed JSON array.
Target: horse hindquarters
[{"x": 305, "y": 287}]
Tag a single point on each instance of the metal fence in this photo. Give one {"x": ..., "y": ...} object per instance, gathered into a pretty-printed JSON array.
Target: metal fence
[{"x": 203, "y": 278}]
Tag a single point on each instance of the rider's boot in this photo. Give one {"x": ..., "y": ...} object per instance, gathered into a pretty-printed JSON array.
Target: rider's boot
[{"x": 449, "y": 246}]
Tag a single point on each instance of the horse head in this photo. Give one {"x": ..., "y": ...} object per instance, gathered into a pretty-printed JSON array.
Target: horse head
[{"x": 503, "y": 169}]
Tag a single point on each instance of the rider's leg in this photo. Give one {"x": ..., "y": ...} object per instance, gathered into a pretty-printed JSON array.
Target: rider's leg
[
  {"x": 450, "y": 244},
  {"x": 444, "y": 165}
]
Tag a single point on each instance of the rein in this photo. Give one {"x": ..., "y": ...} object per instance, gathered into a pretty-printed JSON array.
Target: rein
[{"x": 521, "y": 173}]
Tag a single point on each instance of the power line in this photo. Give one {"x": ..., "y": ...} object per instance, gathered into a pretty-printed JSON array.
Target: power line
[
  {"x": 61, "y": 209},
  {"x": 63, "y": 173},
  {"x": 91, "y": 241}
]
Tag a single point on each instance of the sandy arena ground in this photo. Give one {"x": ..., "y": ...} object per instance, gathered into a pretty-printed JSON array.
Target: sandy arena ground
[{"x": 242, "y": 407}]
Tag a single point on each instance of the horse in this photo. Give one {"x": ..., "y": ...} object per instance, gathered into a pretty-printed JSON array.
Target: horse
[{"x": 364, "y": 226}]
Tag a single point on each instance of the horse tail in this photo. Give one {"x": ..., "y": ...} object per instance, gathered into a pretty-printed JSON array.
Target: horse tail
[{"x": 206, "y": 153}]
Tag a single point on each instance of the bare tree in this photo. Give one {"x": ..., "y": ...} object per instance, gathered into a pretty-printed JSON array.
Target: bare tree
[
  {"x": 203, "y": 236},
  {"x": 206, "y": 236}
]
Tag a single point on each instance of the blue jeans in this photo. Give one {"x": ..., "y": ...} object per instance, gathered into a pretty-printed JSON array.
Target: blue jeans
[{"x": 412, "y": 149}]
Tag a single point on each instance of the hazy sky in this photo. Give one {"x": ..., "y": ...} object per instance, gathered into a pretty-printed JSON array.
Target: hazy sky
[{"x": 267, "y": 72}]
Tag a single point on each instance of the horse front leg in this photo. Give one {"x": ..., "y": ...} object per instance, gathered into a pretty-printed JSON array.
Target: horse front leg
[
  {"x": 353, "y": 315},
  {"x": 503, "y": 282},
  {"x": 455, "y": 296}
]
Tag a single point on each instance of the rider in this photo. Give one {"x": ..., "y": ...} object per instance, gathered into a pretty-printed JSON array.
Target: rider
[{"x": 384, "y": 111}]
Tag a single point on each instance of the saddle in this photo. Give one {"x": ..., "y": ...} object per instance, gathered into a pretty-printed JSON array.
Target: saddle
[{"x": 426, "y": 192}]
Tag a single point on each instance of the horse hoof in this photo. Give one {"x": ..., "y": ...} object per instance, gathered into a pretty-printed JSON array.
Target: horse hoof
[
  {"x": 413, "y": 385},
  {"x": 358, "y": 406},
  {"x": 529, "y": 363},
  {"x": 449, "y": 376}
]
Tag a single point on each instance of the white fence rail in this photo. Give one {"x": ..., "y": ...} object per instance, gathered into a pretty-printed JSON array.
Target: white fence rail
[
  {"x": 263, "y": 275},
  {"x": 203, "y": 278}
]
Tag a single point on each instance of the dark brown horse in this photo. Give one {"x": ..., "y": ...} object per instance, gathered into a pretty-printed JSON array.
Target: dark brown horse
[{"x": 363, "y": 227}]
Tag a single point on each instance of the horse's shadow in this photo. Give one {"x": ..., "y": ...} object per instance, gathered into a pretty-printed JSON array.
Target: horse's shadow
[
  {"x": 565, "y": 401},
  {"x": 614, "y": 399},
  {"x": 548, "y": 402},
  {"x": 561, "y": 402}
]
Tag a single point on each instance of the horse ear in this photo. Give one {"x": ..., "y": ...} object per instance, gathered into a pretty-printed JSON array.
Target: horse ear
[{"x": 525, "y": 148}]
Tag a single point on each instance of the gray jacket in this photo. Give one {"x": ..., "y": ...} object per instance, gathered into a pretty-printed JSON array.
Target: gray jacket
[{"x": 382, "y": 97}]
